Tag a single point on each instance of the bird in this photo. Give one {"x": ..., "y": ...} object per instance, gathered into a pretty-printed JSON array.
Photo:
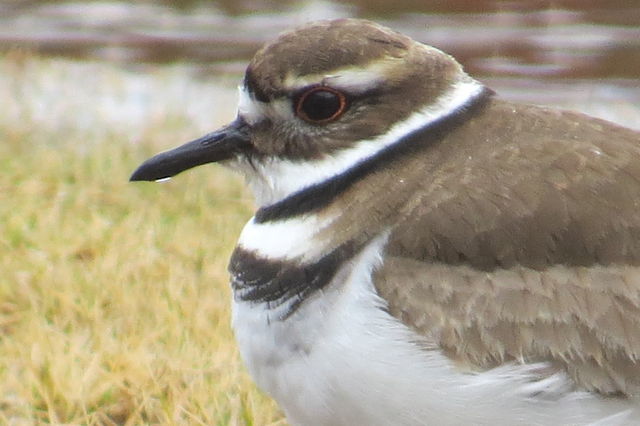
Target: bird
[{"x": 425, "y": 252}]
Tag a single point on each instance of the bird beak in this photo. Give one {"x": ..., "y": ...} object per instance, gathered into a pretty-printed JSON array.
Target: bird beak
[{"x": 220, "y": 145}]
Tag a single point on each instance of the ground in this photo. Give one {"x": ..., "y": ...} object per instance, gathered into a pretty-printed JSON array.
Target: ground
[{"x": 114, "y": 303}]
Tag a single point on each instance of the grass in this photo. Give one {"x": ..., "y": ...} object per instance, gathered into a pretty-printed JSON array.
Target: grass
[{"x": 114, "y": 302}]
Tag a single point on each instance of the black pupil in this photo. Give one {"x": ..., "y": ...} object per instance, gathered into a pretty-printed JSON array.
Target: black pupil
[{"x": 320, "y": 105}]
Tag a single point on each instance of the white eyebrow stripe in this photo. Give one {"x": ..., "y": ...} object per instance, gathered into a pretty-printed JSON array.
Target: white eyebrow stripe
[{"x": 354, "y": 80}]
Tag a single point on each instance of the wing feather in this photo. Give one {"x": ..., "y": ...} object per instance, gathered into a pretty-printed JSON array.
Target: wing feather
[{"x": 526, "y": 249}]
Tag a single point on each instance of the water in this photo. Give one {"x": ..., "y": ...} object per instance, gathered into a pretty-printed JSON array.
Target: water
[{"x": 584, "y": 56}]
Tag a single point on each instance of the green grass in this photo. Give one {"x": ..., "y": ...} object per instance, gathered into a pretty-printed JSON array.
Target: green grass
[{"x": 114, "y": 302}]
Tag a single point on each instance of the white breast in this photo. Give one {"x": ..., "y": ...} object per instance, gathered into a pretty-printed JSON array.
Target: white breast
[
  {"x": 285, "y": 239},
  {"x": 341, "y": 359}
]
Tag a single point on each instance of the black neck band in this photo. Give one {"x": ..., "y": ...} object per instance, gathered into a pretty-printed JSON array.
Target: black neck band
[
  {"x": 274, "y": 282},
  {"x": 317, "y": 196}
]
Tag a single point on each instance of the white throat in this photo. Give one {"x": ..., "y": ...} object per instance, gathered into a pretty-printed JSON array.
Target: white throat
[{"x": 273, "y": 179}]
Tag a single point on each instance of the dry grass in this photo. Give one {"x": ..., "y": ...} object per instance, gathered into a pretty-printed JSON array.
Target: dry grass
[{"x": 114, "y": 304}]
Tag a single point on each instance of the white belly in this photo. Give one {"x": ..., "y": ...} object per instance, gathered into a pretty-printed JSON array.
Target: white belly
[{"x": 340, "y": 359}]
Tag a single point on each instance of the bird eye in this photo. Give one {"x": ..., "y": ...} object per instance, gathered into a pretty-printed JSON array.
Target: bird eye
[{"x": 320, "y": 105}]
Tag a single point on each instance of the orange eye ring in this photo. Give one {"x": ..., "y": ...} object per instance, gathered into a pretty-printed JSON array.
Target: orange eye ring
[{"x": 320, "y": 105}]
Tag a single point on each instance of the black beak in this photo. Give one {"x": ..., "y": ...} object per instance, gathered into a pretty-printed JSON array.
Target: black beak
[{"x": 220, "y": 145}]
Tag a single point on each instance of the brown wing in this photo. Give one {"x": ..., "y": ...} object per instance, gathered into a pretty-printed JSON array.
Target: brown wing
[
  {"x": 584, "y": 319},
  {"x": 527, "y": 248}
]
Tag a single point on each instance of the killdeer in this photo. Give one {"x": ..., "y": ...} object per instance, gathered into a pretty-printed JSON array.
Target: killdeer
[{"x": 425, "y": 253}]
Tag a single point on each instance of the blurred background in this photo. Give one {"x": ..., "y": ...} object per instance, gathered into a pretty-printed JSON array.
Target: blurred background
[
  {"x": 576, "y": 53},
  {"x": 114, "y": 297}
]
